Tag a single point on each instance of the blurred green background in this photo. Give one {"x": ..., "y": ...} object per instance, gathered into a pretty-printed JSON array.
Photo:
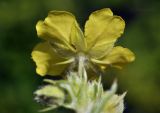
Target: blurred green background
[{"x": 18, "y": 36}]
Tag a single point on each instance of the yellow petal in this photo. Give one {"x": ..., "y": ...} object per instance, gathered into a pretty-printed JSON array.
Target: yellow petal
[
  {"x": 62, "y": 50},
  {"x": 46, "y": 58},
  {"x": 57, "y": 28},
  {"x": 77, "y": 38},
  {"x": 117, "y": 57},
  {"x": 101, "y": 31}
]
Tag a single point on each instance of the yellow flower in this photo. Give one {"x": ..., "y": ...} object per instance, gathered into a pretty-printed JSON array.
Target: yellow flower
[{"x": 65, "y": 44}]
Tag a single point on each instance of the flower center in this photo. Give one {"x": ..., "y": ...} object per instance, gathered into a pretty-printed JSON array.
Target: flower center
[
  {"x": 81, "y": 57},
  {"x": 82, "y": 61}
]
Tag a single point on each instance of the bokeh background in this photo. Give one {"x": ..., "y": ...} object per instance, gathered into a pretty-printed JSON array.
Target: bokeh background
[{"x": 18, "y": 79}]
